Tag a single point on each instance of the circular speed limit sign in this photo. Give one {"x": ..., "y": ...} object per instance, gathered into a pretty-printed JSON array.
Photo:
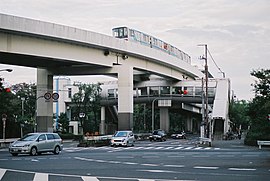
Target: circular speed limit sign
[{"x": 47, "y": 95}]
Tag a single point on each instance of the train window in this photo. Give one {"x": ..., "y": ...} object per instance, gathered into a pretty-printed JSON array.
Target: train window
[
  {"x": 132, "y": 33},
  {"x": 165, "y": 90},
  {"x": 137, "y": 36},
  {"x": 154, "y": 90},
  {"x": 176, "y": 90}
]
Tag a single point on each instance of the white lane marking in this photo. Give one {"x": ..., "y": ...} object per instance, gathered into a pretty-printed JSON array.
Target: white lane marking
[
  {"x": 242, "y": 169},
  {"x": 201, "y": 156},
  {"x": 149, "y": 164},
  {"x": 150, "y": 156},
  {"x": 158, "y": 171},
  {"x": 225, "y": 156},
  {"x": 208, "y": 148},
  {"x": 130, "y": 163},
  {"x": 250, "y": 155},
  {"x": 176, "y": 156},
  {"x": 34, "y": 160},
  {"x": 88, "y": 178},
  {"x": 41, "y": 177},
  {"x": 177, "y": 166},
  {"x": 198, "y": 148},
  {"x": 2, "y": 173},
  {"x": 202, "y": 167},
  {"x": 125, "y": 157}
]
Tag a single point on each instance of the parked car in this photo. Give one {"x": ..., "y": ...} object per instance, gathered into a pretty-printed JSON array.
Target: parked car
[
  {"x": 181, "y": 135},
  {"x": 158, "y": 135},
  {"x": 37, "y": 143},
  {"x": 123, "y": 138}
]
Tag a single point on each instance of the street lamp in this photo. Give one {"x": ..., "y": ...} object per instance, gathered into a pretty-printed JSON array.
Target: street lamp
[{"x": 23, "y": 99}]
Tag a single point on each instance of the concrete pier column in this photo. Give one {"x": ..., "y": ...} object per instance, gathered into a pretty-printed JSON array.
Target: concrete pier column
[
  {"x": 102, "y": 121},
  {"x": 125, "y": 97},
  {"x": 44, "y": 110},
  {"x": 189, "y": 123},
  {"x": 164, "y": 119}
]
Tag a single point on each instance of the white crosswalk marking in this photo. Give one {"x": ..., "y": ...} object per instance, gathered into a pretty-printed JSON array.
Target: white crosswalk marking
[
  {"x": 158, "y": 148},
  {"x": 189, "y": 148},
  {"x": 111, "y": 149},
  {"x": 2, "y": 173},
  {"x": 88, "y": 178},
  {"x": 178, "y": 148},
  {"x": 41, "y": 177}
]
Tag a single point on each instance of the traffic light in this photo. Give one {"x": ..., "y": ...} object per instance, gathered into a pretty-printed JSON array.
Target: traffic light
[
  {"x": 268, "y": 117},
  {"x": 7, "y": 90}
]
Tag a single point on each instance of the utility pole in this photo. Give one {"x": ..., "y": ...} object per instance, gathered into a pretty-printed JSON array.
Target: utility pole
[{"x": 206, "y": 121}]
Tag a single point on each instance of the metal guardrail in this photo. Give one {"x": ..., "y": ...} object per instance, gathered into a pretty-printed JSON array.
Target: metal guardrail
[
  {"x": 260, "y": 143},
  {"x": 5, "y": 142}
]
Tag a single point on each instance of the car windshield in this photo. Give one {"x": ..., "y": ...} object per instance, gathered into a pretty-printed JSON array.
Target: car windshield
[
  {"x": 29, "y": 137},
  {"x": 120, "y": 134}
]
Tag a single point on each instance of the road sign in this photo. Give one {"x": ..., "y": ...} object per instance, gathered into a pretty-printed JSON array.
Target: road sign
[
  {"x": 55, "y": 96},
  {"x": 47, "y": 96}
]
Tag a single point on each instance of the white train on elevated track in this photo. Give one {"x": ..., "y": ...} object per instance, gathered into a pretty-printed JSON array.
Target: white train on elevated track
[{"x": 150, "y": 41}]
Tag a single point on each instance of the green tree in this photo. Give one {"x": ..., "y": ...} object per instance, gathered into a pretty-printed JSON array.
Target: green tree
[
  {"x": 238, "y": 114},
  {"x": 259, "y": 108},
  {"x": 63, "y": 120},
  {"x": 87, "y": 101}
]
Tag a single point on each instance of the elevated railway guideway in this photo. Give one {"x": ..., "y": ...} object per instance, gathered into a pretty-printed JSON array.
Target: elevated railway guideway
[{"x": 62, "y": 50}]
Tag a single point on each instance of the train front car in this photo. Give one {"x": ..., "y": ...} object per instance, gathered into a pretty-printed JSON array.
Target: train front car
[{"x": 120, "y": 32}]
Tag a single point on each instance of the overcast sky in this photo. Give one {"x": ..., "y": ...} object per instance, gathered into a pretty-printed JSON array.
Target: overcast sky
[{"x": 237, "y": 32}]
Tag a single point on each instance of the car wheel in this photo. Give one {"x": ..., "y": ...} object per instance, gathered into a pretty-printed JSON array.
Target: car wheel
[
  {"x": 14, "y": 154},
  {"x": 33, "y": 151},
  {"x": 56, "y": 150}
]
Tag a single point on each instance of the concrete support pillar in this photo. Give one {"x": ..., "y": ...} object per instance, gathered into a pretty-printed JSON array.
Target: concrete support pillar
[
  {"x": 125, "y": 97},
  {"x": 189, "y": 124},
  {"x": 164, "y": 119},
  {"x": 102, "y": 121},
  {"x": 44, "y": 112}
]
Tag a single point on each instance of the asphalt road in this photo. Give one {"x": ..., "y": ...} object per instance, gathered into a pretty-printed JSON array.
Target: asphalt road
[{"x": 146, "y": 161}]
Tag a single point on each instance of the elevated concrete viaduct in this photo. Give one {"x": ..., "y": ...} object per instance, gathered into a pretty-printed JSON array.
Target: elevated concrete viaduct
[{"x": 61, "y": 50}]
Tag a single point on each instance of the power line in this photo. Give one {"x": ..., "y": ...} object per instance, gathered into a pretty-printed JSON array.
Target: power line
[{"x": 216, "y": 64}]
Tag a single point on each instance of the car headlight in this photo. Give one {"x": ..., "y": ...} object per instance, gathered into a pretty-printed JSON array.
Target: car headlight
[
  {"x": 123, "y": 140},
  {"x": 27, "y": 145}
]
